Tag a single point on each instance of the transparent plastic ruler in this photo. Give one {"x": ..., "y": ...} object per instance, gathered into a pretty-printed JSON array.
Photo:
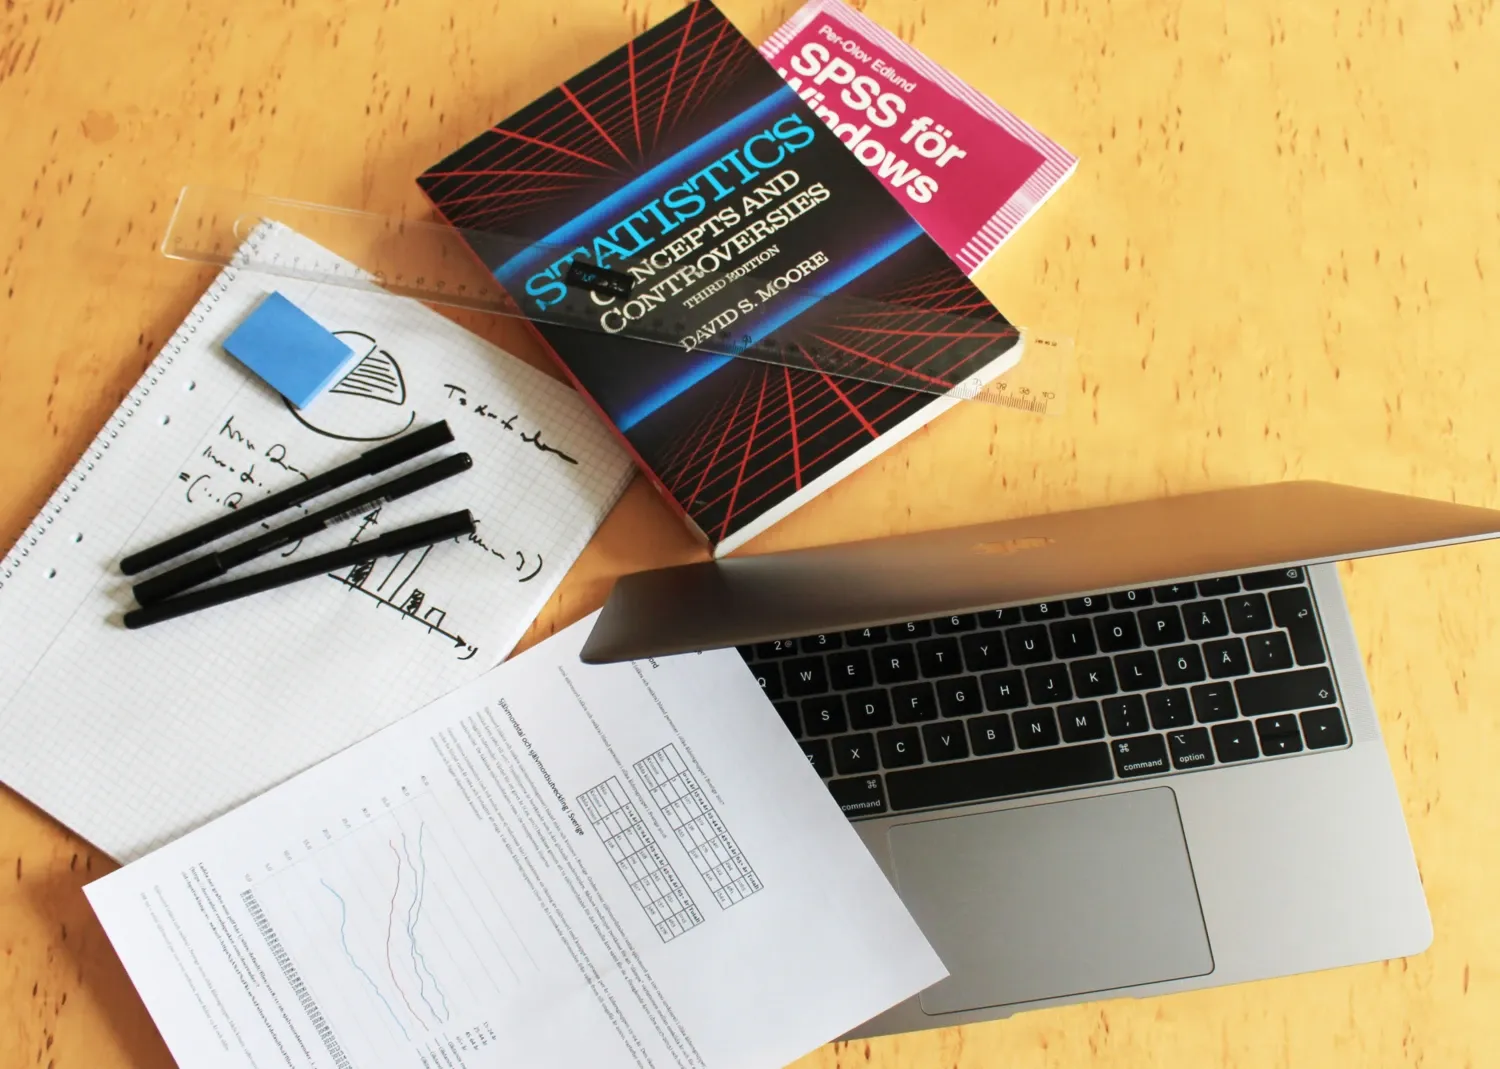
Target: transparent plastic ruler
[{"x": 938, "y": 349}]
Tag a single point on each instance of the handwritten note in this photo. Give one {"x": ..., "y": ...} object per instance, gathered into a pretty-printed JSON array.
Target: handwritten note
[
  {"x": 132, "y": 738},
  {"x": 483, "y": 410}
]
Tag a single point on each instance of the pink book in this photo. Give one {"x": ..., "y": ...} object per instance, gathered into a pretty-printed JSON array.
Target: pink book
[{"x": 966, "y": 169}]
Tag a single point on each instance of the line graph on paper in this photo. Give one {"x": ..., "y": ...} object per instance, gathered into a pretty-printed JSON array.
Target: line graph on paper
[{"x": 400, "y": 943}]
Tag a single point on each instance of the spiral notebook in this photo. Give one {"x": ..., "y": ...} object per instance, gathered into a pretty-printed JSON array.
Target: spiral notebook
[{"x": 132, "y": 738}]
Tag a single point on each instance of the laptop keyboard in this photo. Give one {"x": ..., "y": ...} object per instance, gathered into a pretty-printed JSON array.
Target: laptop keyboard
[{"x": 977, "y": 706}]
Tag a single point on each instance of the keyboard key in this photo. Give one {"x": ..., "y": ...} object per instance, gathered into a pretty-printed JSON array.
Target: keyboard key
[
  {"x": 1049, "y": 683},
  {"x": 913, "y": 702},
  {"x": 1274, "y": 577},
  {"x": 747, "y": 652},
  {"x": 945, "y": 742},
  {"x": 984, "y": 651},
  {"x": 861, "y": 796},
  {"x": 1270, "y": 652},
  {"x": 1175, "y": 592},
  {"x": 869, "y": 709},
  {"x": 1003, "y": 690},
  {"x": 1235, "y": 742},
  {"x": 821, "y": 643},
  {"x": 899, "y": 747},
  {"x": 1028, "y": 644},
  {"x": 1125, "y": 715},
  {"x": 959, "y": 697},
  {"x": 1042, "y": 610},
  {"x": 952, "y": 625},
  {"x": 1205, "y": 619},
  {"x": 1073, "y": 638},
  {"x": 848, "y": 669},
  {"x": 998, "y": 617},
  {"x": 865, "y": 636},
  {"x": 1169, "y": 709},
  {"x": 1215, "y": 588},
  {"x": 998, "y": 777},
  {"x": 1117, "y": 632},
  {"x": 1087, "y": 605},
  {"x": 1190, "y": 748},
  {"x": 895, "y": 664},
  {"x": 1278, "y": 735},
  {"x": 854, "y": 753},
  {"x": 1035, "y": 727},
  {"x": 1137, "y": 671},
  {"x": 769, "y": 678},
  {"x": 1249, "y": 612},
  {"x": 939, "y": 657},
  {"x": 804, "y": 676},
  {"x": 1285, "y": 724},
  {"x": 1226, "y": 658},
  {"x": 817, "y": 756},
  {"x": 911, "y": 629},
  {"x": 781, "y": 647},
  {"x": 825, "y": 715},
  {"x": 1323, "y": 728},
  {"x": 1093, "y": 678},
  {"x": 1161, "y": 625},
  {"x": 1131, "y": 599},
  {"x": 1305, "y": 688},
  {"x": 1213, "y": 702},
  {"x": 1080, "y": 722},
  {"x": 1181, "y": 664},
  {"x": 791, "y": 717},
  {"x": 991, "y": 734},
  {"x": 1293, "y": 610},
  {"x": 1141, "y": 755}
]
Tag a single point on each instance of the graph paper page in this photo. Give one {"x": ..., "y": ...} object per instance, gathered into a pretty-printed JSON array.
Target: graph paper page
[
  {"x": 557, "y": 865},
  {"x": 133, "y": 737}
]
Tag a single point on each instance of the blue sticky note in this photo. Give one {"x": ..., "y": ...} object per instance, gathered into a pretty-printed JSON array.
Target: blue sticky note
[{"x": 290, "y": 349}]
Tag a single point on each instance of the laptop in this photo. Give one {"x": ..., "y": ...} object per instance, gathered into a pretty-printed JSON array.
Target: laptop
[{"x": 1120, "y": 751}]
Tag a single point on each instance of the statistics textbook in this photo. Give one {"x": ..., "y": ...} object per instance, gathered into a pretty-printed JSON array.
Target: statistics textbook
[{"x": 683, "y": 165}]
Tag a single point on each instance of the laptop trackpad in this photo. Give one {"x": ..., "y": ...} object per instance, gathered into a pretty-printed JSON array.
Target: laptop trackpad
[{"x": 1062, "y": 898}]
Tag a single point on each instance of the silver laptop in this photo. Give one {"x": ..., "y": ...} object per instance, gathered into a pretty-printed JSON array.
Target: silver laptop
[{"x": 1119, "y": 751}]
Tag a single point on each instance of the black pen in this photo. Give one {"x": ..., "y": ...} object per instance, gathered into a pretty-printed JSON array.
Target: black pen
[
  {"x": 426, "y": 533},
  {"x": 372, "y": 462},
  {"x": 212, "y": 565}
]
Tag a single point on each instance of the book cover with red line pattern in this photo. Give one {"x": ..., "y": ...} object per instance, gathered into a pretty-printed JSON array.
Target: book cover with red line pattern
[{"x": 684, "y": 161}]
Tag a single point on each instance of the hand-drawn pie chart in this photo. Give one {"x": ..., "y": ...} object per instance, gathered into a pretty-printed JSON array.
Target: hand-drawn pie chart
[{"x": 368, "y": 404}]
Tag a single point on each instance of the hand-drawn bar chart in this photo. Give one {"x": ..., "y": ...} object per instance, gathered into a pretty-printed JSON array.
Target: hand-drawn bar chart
[
  {"x": 698, "y": 827},
  {"x": 394, "y": 585},
  {"x": 630, "y": 844}
]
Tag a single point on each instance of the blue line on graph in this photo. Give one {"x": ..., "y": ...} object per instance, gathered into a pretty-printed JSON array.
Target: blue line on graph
[
  {"x": 343, "y": 938},
  {"x": 390, "y": 924},
  {"x": 422, "y": 886},
  {"x": 411, "y": 941},
  {"x": 413, "y": 912}
]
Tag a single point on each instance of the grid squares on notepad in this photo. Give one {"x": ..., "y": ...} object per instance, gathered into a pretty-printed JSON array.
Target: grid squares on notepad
[
  {"x": 133, "y": 738},
  {"x": 639, "y": 857},
  {"x": 698, "y": 827}
]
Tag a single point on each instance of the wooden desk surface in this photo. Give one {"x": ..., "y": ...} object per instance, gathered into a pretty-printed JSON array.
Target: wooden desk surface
[{"x": 1280, "y": 257}]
